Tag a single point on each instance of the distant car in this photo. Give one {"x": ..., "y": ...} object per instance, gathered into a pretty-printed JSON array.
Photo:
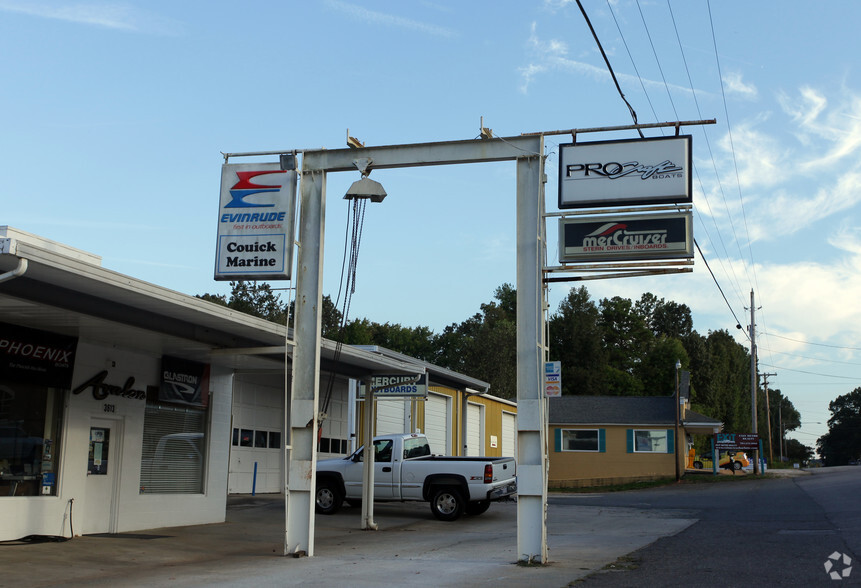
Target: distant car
[{"x": 728, "y": 460}]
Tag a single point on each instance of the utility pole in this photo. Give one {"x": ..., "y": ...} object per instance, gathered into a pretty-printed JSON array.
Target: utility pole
[
  {"x": 768, "y": 411},
  {"x": 753, "y": 379},
  {"x": 780, "y": 419}
]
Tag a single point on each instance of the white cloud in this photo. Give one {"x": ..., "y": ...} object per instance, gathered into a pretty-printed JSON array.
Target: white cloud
[
  {"x": 117, "y": 15},
  {"x": 381, "y": 18},
  {"x": 552, "y": 55},
  {"x": 733, "y": 84}
]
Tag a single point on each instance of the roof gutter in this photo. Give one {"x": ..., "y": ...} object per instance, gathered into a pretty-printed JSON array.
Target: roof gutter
[{"x": 15, "y": 273}]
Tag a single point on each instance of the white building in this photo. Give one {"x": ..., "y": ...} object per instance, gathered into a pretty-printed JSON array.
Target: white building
[{"x": 127, "y": 406}]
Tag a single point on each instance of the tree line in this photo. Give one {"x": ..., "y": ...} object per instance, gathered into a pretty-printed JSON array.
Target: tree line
[{"x": 613, "y": 346}]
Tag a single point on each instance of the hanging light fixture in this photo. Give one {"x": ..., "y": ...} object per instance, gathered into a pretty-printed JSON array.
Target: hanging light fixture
[{"x": 366, "y": 187}]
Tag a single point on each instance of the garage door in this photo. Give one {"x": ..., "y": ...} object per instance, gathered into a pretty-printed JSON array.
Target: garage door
[
  {"x": 437, "y": 419},
  {"x": 509, "y": 435},
  {"x": 474, "y": 429},
  {"x": 390, "y": 417},
  {"x": 258, "y": 434}
]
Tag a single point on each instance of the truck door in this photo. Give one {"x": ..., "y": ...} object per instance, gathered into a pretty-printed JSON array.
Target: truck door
[{"x": 384, "y": 479}]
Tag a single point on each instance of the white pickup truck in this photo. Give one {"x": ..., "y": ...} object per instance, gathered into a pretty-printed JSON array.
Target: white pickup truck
[{"x": 404, "y": 469}]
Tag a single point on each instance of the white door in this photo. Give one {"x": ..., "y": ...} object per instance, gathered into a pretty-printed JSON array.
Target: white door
[
  {"x": 474, "y": 429},
  {"x": 437, "y": 419},
  {"x": 509, "y": 435},
  {"x": 391, "y": 418},
  {"x": 102, "y": 472}
]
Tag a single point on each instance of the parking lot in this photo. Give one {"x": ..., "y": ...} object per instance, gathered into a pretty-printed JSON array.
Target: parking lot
[{"x": 410, "y": 548}]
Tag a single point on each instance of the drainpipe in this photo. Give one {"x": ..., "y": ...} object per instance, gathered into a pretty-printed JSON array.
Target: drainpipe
[{"x": 17, "y": 272}]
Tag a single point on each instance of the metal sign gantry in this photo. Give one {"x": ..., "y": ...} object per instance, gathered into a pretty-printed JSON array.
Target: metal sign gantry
[{"x": 528, "y": 153}]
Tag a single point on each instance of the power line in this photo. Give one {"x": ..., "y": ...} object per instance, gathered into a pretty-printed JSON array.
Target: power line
[
  {"x": 811, "y": 373},
  {"x": 738, "y": 322},
  {"x": 609, "y": 67}
]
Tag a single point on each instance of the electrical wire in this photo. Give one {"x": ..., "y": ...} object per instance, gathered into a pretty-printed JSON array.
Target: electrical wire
[
  {"x": 811, "y": 343},
  {"x": 609, "y": 67}
]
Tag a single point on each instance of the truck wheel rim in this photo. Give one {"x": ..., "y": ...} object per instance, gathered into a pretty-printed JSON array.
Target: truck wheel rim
[
  {"x": 325, "y": 498},
  {"x": 446, "y": 503}
]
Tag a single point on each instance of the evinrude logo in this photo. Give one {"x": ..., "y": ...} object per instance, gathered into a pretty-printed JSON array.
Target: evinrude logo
[
  {"x": 614, "y": 170},
  {"x": 245, "y": 187},
  {"x": 616, "y": 235}
]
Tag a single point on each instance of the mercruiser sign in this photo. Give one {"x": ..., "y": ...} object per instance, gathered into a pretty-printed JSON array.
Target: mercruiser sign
[
  {"x": 624, "y": 173},
  {"x": 255, "y": 222},
  {"x": 609, "y": 238}
]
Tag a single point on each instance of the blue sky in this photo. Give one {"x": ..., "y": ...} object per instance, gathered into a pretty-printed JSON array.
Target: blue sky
[{"x": 115, "y": 114}]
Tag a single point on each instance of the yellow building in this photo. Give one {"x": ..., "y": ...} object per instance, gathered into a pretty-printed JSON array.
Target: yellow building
[
  {"x": 604, "y": 440},
  {"x": 459, "y": 416}
]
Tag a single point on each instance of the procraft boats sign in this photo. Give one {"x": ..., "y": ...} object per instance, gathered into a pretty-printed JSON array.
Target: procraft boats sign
[
  {"x": 608, "y": 238},
  {"x": 625, "y": 173},
  {"x": 255, "y": 222}
]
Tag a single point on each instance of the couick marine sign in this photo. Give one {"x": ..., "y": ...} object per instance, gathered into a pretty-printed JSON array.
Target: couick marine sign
[
  {"x": 255, "y": 222},
  {"x": 626, "y": 237},
  {"x": 624, "y": 173}
]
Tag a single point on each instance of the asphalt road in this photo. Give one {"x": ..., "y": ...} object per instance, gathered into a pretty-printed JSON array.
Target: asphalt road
[{"x": 755, "y": 532}]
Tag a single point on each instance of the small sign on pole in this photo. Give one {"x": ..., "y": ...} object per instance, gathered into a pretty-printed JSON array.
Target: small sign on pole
[{"x": 552, "y": 379}]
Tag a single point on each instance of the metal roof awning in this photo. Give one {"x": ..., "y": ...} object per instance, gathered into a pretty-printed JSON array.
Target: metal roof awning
[{"x": 66, "y": 290}]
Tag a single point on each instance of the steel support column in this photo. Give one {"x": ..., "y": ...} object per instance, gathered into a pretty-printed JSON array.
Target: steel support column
[
  {"x": 305, "y": 390},
  {"x": 531, "y": 419}
]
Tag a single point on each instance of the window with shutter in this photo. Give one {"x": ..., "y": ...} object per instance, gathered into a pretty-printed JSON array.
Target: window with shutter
[{"x": 174, "y": 450}]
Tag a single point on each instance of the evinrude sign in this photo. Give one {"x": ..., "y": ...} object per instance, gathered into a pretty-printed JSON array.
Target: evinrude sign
[
  {"x": 624, "y": 173},
  {"x": 255, "y": 222},
  {"x": 609, "y": 238}
]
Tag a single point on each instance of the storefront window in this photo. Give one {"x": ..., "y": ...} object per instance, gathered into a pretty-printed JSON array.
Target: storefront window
[{"x": 30, "y": 424}]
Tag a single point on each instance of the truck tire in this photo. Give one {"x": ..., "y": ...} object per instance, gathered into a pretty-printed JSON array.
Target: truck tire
[
  {"x": 478, "y": 507},
  {"x": 446, "y": 503},
  {"x": 327, "y": 499}
]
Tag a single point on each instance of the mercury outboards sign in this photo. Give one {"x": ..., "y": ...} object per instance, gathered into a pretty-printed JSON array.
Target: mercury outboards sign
[
  {"x": 634, "y": 237},
  {"x": 625, "y": 173}
]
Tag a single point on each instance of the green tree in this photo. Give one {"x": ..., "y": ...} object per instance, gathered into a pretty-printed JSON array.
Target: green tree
[
  {"x": 484, "y": 346},
  {"x": 254, "y": 298},
  {"x": 657, "y": 371},
  {"x": 576, "y": 342},
  {"x": 720, "y": 377},
  {"x": 665, "y": 318},
  {"x": 627, "y": 339},
  {"x": 842, "y": 442}
]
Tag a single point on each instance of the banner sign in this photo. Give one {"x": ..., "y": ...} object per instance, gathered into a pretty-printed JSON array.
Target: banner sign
[
  {"x": 633, "y": 237},
  {"x": 184, "y": 382},
  {"x": 255, "y": 222},
  {"x": 397, "y": 386},
  {"x": 624, "y": 173},
  {"x": 552, "y": 379},
  {"x": 36, "y": 357},
  {"x": 733, "y": 442}
]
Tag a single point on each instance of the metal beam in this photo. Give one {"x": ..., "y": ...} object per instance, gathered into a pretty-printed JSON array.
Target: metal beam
[
  {"x": 301, "y": 475},
  {"x": 531, "y": 406},
  {"x": 423, "y": 154}
]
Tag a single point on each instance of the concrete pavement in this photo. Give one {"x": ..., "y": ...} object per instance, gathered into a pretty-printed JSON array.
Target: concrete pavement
[{"x": 411, "y": 548}]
